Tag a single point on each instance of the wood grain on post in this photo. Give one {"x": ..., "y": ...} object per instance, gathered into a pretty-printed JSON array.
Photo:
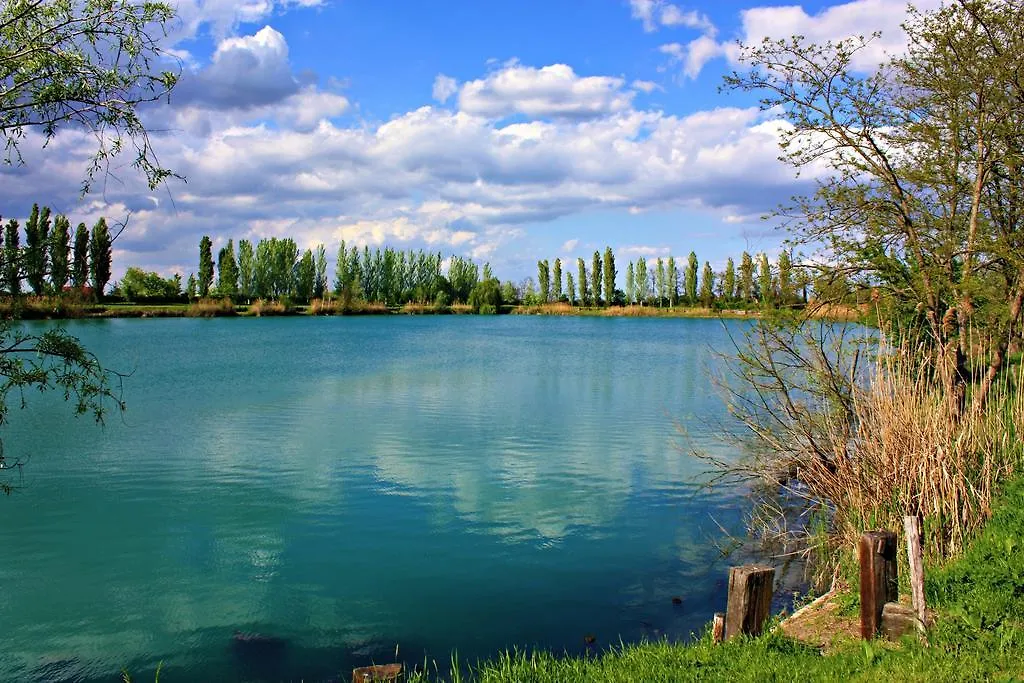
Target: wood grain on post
[
  {"x": 912, "y": 526},
  {"x": 718, "y": 627},
  {"x": 877, "y": 551},
  {"x": 750, "y": 600}
]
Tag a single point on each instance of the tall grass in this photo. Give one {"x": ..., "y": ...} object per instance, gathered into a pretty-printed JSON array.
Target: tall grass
[
  {"x": 210, "y": 307},
  {"x": 843, "y": 447}
]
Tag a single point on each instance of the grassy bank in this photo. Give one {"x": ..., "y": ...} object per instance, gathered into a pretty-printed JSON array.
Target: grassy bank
[{"x": 979, "y": 635}]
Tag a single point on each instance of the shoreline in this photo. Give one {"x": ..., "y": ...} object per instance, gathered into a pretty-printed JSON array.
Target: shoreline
[{"x": 58, "y": 310}]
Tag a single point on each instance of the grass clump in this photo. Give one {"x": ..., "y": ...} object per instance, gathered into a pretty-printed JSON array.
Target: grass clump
[
  {"x": 263, "y": 307},
  {"x": 210, "y": 308}
]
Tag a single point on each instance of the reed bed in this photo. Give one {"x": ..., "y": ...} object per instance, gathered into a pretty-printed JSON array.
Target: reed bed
[
  {"x": 264, "y": 308},
  {"x": 210, "y": 308},
  {"x": 852, "y": 447}
]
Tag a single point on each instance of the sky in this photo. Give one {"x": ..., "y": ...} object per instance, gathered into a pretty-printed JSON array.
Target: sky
[{"x": 504, "y": 131}]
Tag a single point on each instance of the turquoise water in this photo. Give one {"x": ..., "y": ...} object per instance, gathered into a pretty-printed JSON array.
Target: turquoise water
[{"x": 347, "y": 486}]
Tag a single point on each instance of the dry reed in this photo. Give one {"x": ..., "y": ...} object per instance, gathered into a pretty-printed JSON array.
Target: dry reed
[{"x": 210, "y": 307}]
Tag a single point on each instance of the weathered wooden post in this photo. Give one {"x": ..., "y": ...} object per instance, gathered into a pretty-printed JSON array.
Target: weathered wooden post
[
  {"x": 877, "y": 551},
  {"x": 912, "y": 526},
  {"x": 376, "y": 673},
  {"x": 750, "y": 600},
  {"x": 718, "y": 627}
]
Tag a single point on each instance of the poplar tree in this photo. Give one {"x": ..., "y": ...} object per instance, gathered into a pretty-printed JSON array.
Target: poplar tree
[
  {"x": 320, "y": 283},
  {"x": 746, "y": 278},
  {"x": 785, "y": 278},
  {"x": 191, "y": 289},
  {"x": 640, "y": 280},
  {"x": 60, "y": 251},
  {"x": 205, "y": 266},
  {"x": 37, "y": 235},
  {"x": 673, "y": 282},
  {"x": 729, "y": 281},
  {"x": 630, "y": 288},
  {"x": 99, "y": 257},
  {"x": 227, "y": 270},
  {"x": 581, "y": 268},
  {"x": 609, "y": 275},
  {"x": 80, "y": 267},
  {"x": 305, "y": 277},
  {"x": 764, "y": 279},
  {"x": 557, "y": 274},
  {"x": 691, "y": 278},
  {"x": 661, "y": 286},
  {"x": 571, "y": 286},
  {"x": 544, "y": 280},
  {"x": 246, "y": 268},
  {"x": 595, "y": 278},
  {"x": 707, "y": 285},
  {"x": 12, "y": 257}
]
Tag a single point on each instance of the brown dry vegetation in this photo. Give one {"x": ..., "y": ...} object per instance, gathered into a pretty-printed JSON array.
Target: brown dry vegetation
[{"x": 210, "y": 308}]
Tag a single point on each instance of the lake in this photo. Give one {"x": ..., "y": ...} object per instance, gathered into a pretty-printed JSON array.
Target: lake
[{"x": 346, "y": 486}]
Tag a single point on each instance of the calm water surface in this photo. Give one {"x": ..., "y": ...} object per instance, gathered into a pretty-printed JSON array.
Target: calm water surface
[{"x": 349, "y": 485}]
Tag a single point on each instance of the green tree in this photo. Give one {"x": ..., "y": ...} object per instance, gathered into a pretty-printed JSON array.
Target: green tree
[
  {"x": 60, "y": 252},
  {"x": 661, "y": 283},
  {"x": 486, "y": 296},
  {"x": 785, "y": 267},
  {"x": 463, "y": 275},
  {"x": 508, "y": 292},
  {"x": 12, "y": 259},
  {"x": 37, "y": 236},
  {"x": 192, "y": 288},
  {"x": 556, "y": 273},
  {"x": 86, "y": 65},
  {"x": 246, "y": 268},
  {"x": 139, "y": 284},
  {"x": 320, "y": 281},
  {"x": 729, "y": 281},
  {"x": 80, "y": 267},
  {"x": 691, "y": 278},
  {"x": 630, "y": 288},
  {"x": 305, "y": 277},
  {"x": 342, "y": 273},
  {"x": 673, "y": 282},
  {"x": 571, "y": 286},
  {"x": 99, "y": 257},
  {"x": 746, "y": 278},
  {"x": 227, "y": 271},
  {"x": 544, "y": 280},
  {"x": 764, "y": 280},
  {"x": 205, "y": 266},
  {"x": 609, "y": 276},
  {"x": 640, "y": 280},
  {"x": 595, "y": 278},
  {"x": 581, "y": 269},
  {"x": 707, "y": 285}
]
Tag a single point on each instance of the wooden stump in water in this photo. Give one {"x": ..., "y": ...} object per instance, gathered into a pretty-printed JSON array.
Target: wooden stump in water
[
  {"x": 377, "y": 672},
  {"x": 750, "y": 600},
  {"x": 877, "y": 554}
]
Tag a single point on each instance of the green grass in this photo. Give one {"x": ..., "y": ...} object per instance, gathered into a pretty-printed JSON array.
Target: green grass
[{"x": 979, "y": 637}]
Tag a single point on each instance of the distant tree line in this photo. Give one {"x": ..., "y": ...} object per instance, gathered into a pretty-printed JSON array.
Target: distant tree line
[
  {"x": 274, "y": 268},
  {"x": 52, "y": 261},
  {"x": 664, "y": 283}
]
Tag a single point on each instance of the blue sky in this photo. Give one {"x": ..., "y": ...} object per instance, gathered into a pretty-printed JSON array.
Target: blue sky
[{"x": 506, "y": 131}]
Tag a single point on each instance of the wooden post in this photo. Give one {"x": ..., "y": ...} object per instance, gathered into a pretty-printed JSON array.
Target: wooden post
[
  {"x": 750, "y": 600},
  {"x": 718, "y": 627},
  {"x": 878, "y": 584},
  {"x": 912, "y": 526}
]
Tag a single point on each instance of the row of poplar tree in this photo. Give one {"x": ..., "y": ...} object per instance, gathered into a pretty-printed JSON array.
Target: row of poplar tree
[
  {"x": 47, "y": 261},
  {"x": 662, "y": 283},
  {"x": 274, "y": 268}
]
